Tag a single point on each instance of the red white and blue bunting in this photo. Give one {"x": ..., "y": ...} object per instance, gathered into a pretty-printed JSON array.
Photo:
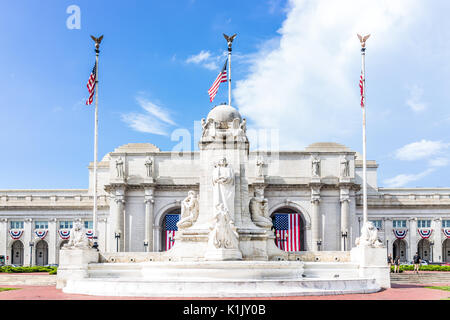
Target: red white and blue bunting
[
  {"x": 400, "y": 233},
  {"x": 41, "y": 233},
  {"x": 90, "y": 234},
  {"x": 425, "y": 233},
  {"x": 64, "y": 234},
  {"x": 15, "y": 234},
  {"x": 446, "y": 231}
]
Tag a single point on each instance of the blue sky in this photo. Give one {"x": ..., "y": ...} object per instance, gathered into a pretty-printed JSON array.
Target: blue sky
[{"x": 295, "y": 69}]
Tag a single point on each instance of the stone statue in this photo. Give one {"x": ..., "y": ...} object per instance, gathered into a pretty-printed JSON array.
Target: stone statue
[
  {"x": 119, "y": 168},
  {"x": 315, "y": 167},
  {"x": 223, "y": 233},
  {"x": 260, "y": 212},
  {"x": 345, "y": 169},
  {"x": 369, "y": 236},
  {"x": 149, "y": 166},
  {"x": 223, "y": 186},
  {"x": 189, "y": 210},
  {"x": 209, "y": 128},
  {"x": 260, "y": 164},
  {"x": 78, "y": 238}
]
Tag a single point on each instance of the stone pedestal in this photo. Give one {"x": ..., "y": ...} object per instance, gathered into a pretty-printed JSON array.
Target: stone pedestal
[
  {"x": 223, "y": 254},
  {"x": 73, "y": 264},
  {"x": 372, "y": 264}
]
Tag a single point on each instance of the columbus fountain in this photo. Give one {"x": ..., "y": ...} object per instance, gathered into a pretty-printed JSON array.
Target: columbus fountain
[{"x": 225, "y": 244}]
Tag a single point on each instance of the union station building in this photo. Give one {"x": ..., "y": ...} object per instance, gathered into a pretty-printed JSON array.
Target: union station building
[{"x": 140, "y": 189}]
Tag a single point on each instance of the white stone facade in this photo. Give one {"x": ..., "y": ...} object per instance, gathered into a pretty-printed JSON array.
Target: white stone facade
[{"x": 135, "y": 196}]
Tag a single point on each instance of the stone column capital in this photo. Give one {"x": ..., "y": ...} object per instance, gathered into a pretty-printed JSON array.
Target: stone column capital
[{"x": 149, "y": 200}]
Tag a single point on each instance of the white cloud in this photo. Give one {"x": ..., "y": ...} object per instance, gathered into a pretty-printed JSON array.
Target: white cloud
[
  {"x": 439, "y": 162},
  {"x": 414, "y": 100},
  {"x": 403, "y": 179},
  {"x": 306, "y": 82},
  {"x": 155, "y": 120},
  {"x": 205, "y": 59},
  {"x": 420, "y": 150}
]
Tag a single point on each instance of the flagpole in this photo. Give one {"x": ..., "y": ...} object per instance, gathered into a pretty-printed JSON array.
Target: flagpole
[
  {"x": 97, "y": 51},
  {"x": 229, "y": 75},
  {"x": 229, "y": 42},
  {"x": 363, "y": 74}
]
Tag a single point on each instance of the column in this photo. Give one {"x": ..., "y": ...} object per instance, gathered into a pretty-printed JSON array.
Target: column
[
  {"x": 413, "y": 239},
  {"x": 345, "y": 213},
  {"x": 149, "y": 206},
  {"x": 316, "y": 224},
  {"x": 389, "y": 235},
  {"x": 52, "y": 242},
  {"x": 28, "y": 251},
  {"x": 119, "y": 225},
  {"x": 437, "y": 237}
]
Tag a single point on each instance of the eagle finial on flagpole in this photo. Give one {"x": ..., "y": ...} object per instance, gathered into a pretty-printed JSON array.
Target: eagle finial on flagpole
[
  {"x": 97, "y": 41},
  {"x": 229, "y": 40},
  {"x": 363, "y": 39}
]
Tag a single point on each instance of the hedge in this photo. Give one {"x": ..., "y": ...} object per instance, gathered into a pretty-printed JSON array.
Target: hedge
[
  {"x": 422, "y": 268},
  {"x": 9, "y": 269}
]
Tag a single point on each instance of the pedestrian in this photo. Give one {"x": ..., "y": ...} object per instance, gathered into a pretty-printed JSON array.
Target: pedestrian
[
  {"x": 390, "y": 261},
  {"x": 397, "y": 264},
  {"x": 417, "y": 261}
]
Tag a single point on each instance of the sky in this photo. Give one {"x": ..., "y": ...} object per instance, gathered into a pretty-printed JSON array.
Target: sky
[{"x": 295, "y": 71}]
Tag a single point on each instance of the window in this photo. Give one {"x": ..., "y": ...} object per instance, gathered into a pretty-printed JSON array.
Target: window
[
  {"x": 446, "y": 223},
  {"x": 399, "y": 223},
  {"x": 16, "y": 224},
  {"x": 376, "y": 223},
  {"x": 65, "y": 224},
  {"x": 41, "y": 225},
  {"x": 423, "y": 223},
  {"x": 88, "y": 224}
]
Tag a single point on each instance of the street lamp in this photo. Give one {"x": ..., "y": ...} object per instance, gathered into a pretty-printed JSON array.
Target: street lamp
[
  {"x": 145, "y": 245},
  {"x": 344, "y": 236},
  {"x": 31, "y": 252},
  {"x": 319, "y": 243},
  {"x": 117, "y": 236},
  {"x": 95, "y": 244}
]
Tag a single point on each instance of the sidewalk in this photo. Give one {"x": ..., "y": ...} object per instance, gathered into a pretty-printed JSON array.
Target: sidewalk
[{"x": 397, "y": 292}]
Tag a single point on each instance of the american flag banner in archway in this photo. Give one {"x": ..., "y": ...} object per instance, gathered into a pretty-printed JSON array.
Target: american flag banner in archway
[
  {"x": 400, "y": 233},
  {"x": 288, "y": 229},
  {"x": 170, "y": 228},
  {"x": 446, "y": 231}
]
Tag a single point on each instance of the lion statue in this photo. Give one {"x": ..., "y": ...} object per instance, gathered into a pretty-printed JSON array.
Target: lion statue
[
  {"x": 369, "y": 236},
  {"x": 78, "y": 238}
]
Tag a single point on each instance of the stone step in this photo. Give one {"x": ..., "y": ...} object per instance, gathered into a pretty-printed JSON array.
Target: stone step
[{"x": 221, "y": 288}]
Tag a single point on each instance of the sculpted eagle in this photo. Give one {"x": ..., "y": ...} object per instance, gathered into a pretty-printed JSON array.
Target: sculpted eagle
[
  {"x": 97, "y": 40},
  {"x": 363, "y": 39},
  {"x": 229, "y": 39}
]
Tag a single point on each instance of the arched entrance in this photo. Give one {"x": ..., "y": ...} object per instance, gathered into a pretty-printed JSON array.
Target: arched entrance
[
  {"x": 289, "y": 228},
  {"x": 41, "y": 253},
  {"x": 446, "y": 250},
  {"x": 17, "y": 253},
  {"x": 170, "y": 228},
  {"x": 423, "y": 247},
  {"x": 399, "y": 250}
]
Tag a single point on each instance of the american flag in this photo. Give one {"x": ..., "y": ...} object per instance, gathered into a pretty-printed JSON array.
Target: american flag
[
  {"x": 288, "y": 229},
  {"x": 91, "y": 85},
  {"x": 222, "y": 77},
  {"x": 171, "y": 228},
  {"x": 361, "y": 86}
]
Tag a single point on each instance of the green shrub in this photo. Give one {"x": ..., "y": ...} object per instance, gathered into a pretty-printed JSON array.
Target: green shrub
[
  {"x": 422, "y": 268},
  {"x": 9, "y": 269}
]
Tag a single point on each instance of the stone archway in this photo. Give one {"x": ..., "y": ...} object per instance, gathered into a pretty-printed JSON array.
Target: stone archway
[
  {"x": 289, "y": 227},
  {"x": 423, "y": 247},
  {"x": 17, "y": 253},
  {"x": 41, "y": 253},
  {"x": 446, "y": 250},
  {"x": 399, "y": 248}
]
